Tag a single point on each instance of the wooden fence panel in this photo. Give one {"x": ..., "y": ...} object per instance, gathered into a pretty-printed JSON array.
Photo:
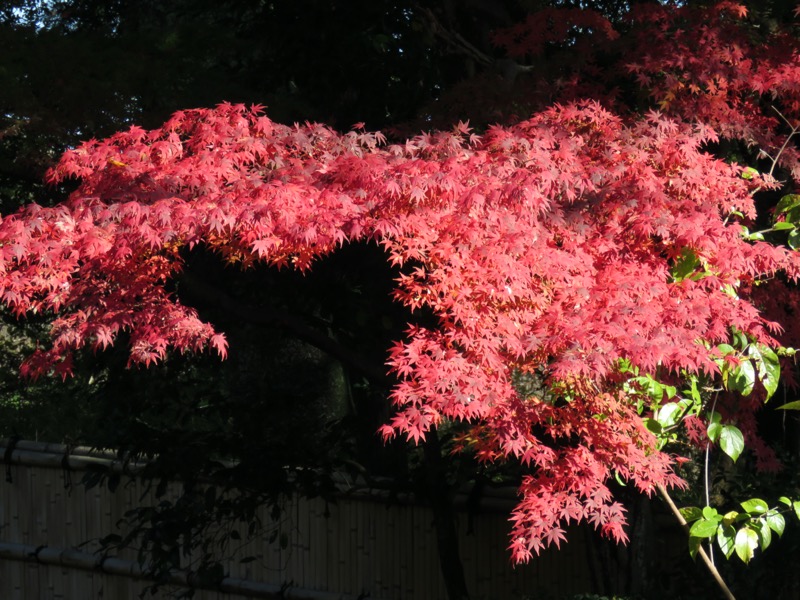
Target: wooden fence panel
[{"x": 359, "y": 545}]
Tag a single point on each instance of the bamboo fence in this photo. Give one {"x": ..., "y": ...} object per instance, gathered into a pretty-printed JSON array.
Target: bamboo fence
[{"x": 362, "y": 546}]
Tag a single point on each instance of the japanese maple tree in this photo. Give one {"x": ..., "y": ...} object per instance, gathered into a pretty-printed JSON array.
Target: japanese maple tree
[{"x": 592, "y": 247}]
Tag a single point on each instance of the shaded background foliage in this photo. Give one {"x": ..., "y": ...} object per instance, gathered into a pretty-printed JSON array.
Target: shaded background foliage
[{"x": 304, "y": 386}]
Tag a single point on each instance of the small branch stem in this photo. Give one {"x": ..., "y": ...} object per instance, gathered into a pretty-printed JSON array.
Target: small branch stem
[
  {"x": 706, "y": 482},
  {"x": 794, "y": 129},
  {"x": 726, "y": 592}
]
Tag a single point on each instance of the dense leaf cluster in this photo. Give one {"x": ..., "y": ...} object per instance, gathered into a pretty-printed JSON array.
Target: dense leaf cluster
[{"x": 574, "y": 247}]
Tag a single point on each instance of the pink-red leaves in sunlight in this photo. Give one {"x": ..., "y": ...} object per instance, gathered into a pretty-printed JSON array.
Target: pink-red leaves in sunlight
[{"x": 546, "y": 249}]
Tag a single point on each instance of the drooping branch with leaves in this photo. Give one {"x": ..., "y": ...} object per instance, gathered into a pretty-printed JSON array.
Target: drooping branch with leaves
[{"x": 597, "y": 247}]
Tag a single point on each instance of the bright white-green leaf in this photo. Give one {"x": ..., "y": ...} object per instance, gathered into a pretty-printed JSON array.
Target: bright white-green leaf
[
  {"x": 745, "y": 543},
  {"x": 731, "y": 441}
]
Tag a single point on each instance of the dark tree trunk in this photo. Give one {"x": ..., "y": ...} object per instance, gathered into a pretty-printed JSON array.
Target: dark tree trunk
[
  {"x": 641, "y": 545},
  {"x": 440, "y": 496}
]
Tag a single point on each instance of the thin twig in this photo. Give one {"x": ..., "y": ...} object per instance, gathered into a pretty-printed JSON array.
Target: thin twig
[
  {"x": 706, "y": 483},
  {"x": 794, "y": 129},
  {"x": 454, "y": 39}
]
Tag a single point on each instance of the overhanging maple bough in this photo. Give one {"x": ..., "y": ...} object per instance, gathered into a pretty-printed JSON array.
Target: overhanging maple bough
[{"x": 545, "y": 247}]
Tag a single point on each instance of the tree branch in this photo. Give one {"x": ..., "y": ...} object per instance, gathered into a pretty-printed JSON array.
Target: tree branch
[{"x": 713, "y": 569}]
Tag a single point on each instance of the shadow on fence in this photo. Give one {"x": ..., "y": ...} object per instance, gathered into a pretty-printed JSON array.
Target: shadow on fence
[{"x": 361, "y": 547}]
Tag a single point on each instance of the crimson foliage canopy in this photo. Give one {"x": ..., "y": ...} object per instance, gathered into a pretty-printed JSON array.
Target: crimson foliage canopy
[{"x": 555, "y": 248}]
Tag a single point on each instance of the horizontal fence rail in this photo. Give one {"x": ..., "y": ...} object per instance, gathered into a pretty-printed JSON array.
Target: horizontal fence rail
[{"x": 366, "y": 545}]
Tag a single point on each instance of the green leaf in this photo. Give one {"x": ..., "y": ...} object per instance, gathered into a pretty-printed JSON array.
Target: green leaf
[
  {"x": 794, "y": 239},
  {"x": 785, "y": 500},
  {"x": 685, "y": 265},
  {"x": 791, "y": 406},
  {"x": 694, "y": 392},
  {"x": 730, "y": 290},
  {"x": 776, "y": 522},
  {"x": 787, "y": 203},
  {"x": 743, "y": 378},
  {"x": 725, "y": 349},
  {"x": 625, "y": 366},
  {"x": 713, "y": 432},
  {"x": 793, "y": 214},
  {"x": 746, "y": 543},
  {"x": 710, "y": 513},
  {"x": 749, "y": 173},
  {"x": 726, "y": 536},
  {"x": 731, "y": 441},
  {"x": 783, "y": 225},
  {"x": 764, "y": 534},
  {"x": 669, "y": 414},
  {"x": 796, "y": 507},
  {"x": 655, "y": 389},
  {"x": 694, "y": 546},
  {"x": 739, "y": 339},
  {"x": 618, "y": 477},
  {"x": 704, "y": 528},
  {"x": 730, "y": 517},
  {"x": 691, "y": 513},
  {"x": 653, "y": 426},
  {"x": 755, "y": 506},
  {"x": 768, "y": 366}
]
